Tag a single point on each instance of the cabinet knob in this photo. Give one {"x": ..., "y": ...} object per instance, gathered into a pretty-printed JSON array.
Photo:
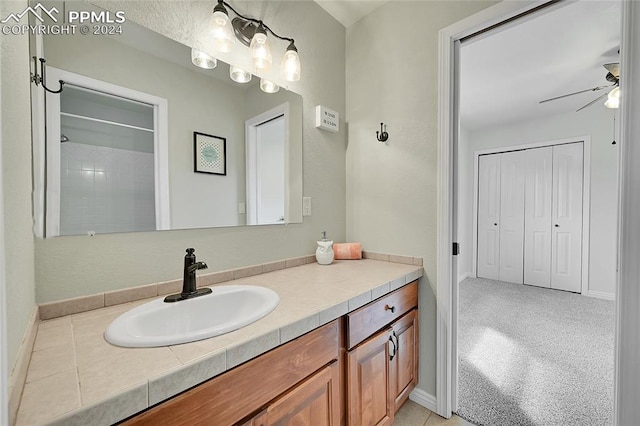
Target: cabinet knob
[
  {"x": 495, "y": 224},
  {"x": 390, "y": 308},
  {"x": 556, "y": 225}
]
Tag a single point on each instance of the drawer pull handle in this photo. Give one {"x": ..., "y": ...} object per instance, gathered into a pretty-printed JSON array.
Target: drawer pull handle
[{"x": 390, "y": 308}]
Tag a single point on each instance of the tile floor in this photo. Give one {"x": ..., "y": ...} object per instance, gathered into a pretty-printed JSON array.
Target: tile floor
[{"x": 412, "y": 414}]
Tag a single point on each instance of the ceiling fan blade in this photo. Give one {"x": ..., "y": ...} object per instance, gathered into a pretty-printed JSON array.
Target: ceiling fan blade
[
  {"x": 575, "y": 93},
  {"x": 592, "y": 102},
  {"x": 613, "y": 68}
]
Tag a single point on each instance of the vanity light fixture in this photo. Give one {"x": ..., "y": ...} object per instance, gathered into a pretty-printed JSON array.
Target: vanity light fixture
[
  {"x": 202, "y": 60},
  {"x": 260, "y": 49},
  {"x": 239, "y": 75},
  {"x": 253, "y": 33},
  {"x": 268, "y": 86},
  {"x": 221, "y": 29}
]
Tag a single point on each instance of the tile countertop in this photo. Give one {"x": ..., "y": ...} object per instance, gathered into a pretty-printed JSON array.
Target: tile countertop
[{"x": 76, "y": 378}]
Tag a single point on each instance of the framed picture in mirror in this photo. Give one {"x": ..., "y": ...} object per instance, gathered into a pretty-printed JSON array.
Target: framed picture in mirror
[{"x": 209, "y": 154}]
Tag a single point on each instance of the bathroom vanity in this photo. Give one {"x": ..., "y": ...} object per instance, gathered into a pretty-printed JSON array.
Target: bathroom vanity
[
  {"x": 366, "y": 361},
  {"x": 340, "y": 348}
]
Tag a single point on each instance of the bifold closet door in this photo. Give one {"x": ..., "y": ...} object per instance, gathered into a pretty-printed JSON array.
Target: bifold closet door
[
  {"x": 566, "y": 233},
  {"x": 488, "y": 250},
  {"x": 512, "y": 216},
  {"x": 501, "y": 216},
  {"x": 553, "y": 217},
  {"x": 537, "y": 219}
]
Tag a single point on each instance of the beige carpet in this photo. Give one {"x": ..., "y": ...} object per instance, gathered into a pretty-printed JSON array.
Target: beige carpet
[{"x": 534, "y": 356}]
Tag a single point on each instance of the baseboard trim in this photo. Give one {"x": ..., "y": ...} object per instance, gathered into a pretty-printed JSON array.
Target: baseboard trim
[
  {"x": 18, "y": 375},
  {"x": 463, "y": 277},
  {"x": 423, "y": 398},
  {"x": 600, "y": 295}
]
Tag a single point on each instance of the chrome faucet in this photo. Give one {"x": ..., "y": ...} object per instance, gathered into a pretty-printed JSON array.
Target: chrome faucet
[{"x": 189, "y": 287}]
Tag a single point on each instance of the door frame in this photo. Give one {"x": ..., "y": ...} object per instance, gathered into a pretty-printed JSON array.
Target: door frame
[
  {"x": 628, "y": 293},
  {"x": 586, "y": 201},
  {"x": 4, "y": 362},
  {"x": 52, "y": 171}
]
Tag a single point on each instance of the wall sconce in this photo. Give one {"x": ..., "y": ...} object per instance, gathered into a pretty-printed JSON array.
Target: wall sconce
[{"x": 253, "y": 33}]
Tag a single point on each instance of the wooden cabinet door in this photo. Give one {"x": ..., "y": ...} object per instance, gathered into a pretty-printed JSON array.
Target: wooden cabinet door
[
  {"x": 404, "y": 365},
  {"x": 369, "y": 382},
  {"x": 314, "y": 402}
]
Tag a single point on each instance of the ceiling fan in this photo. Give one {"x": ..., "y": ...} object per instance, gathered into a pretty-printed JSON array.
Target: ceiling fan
[{"x": 613, "y": 76}]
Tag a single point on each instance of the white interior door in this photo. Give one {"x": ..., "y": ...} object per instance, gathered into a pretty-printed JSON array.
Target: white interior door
[
  {"x": 537, "y": 240},
  {"x": 566, "y": 233},
  {"x": 489, "y": 216},
  {"x": 270, "y": 169},
  {"x": 511, "y": 216}
]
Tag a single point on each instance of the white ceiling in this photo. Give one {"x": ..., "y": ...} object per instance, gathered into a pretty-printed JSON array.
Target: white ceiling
[
  {"x": 505, "y": 73},
  {"x": 348, "y": 12}
]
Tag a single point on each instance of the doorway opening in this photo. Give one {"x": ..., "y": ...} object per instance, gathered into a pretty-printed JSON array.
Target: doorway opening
[
  {"x": 103, "y": 142},
  {"x": 452, "y": 228}
]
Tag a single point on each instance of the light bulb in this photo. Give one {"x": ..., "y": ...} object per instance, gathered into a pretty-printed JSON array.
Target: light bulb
[
  {"x": 613, "y": 99},
  {"x": 239, "y": 75},
  {"x": 268, "y": 86},
  {"x": 260, "y": 49},
  {"x": 221, "y": 29},
  {"x": 290, "y": 66},
  {"x": 202, "y": 60}
]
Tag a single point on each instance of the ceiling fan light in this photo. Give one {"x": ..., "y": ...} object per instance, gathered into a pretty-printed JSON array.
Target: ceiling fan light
[{"x": 613, "y": 99}]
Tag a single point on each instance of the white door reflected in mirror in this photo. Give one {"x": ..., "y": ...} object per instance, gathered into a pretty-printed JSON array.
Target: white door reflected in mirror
[{"x": 267, "y": 141}]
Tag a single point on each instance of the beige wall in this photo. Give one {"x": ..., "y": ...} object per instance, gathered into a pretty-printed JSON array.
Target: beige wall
[
  {"x": 16, "y": 175},
  {"x": 74, "y": 266},
  {"x": 392, "y": 59}
]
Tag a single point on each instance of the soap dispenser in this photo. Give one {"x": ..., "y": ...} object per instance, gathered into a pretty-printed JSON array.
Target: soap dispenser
[{"x": 324, "y": 252}]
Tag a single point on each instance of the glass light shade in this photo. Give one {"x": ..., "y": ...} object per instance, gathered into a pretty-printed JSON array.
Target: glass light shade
[
  {"x": 239, "y": 75},
  {"x": 268, "y": 86},
  {"x": 613, "y": 99},
  {"x": 222, "y": 32},
  {"x": 260, "y": 50},
  {"x": 290, "y": 67},
  {"x": 202, "y": 60}
]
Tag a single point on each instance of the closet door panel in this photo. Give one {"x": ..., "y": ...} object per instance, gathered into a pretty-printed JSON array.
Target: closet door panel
[
  {"x": 512, "y": 179},
  {"x": 489, "y": 217},
  {"x": 537, "y": 218},
  {"x": 566, "y": 232}
]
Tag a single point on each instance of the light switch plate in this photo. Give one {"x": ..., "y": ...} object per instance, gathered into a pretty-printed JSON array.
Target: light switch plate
[{"x": 242, "y": 208}]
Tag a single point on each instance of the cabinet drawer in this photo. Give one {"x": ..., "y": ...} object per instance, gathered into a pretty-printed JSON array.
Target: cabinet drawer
[
  {"x": 365, "y": 321},
  {"x": 229, "y": 397}
]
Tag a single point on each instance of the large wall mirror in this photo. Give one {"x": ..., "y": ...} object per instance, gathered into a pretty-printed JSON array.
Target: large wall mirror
[{"x": 140, "y": 139}]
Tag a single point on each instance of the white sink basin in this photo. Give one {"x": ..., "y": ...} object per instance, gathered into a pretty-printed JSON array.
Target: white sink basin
[{"x": 159, "y": 323}]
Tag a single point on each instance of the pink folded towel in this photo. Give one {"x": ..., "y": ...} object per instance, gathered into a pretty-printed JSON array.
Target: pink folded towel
[{"x": 347, "y": 251}]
